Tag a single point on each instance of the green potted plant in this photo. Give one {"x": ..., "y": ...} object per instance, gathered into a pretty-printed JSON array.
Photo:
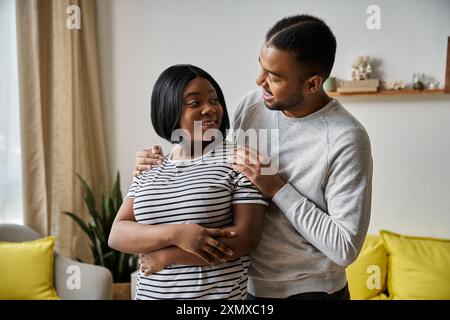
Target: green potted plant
[{"x": 98, "y": 228}]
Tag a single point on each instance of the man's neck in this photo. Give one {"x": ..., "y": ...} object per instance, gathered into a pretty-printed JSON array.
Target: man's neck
[{"x": 309, "y": 106}]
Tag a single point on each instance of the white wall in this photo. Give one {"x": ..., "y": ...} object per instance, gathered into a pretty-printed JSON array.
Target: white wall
[{"x": 410, "y": 135}]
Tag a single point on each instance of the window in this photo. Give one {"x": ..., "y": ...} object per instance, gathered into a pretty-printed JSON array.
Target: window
[{"x": 10, "y": 160}]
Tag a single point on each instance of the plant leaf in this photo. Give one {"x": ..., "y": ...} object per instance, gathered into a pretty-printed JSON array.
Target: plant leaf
[
  {"x": 90, "y": 202},
  {"x": 121, "y": 265},
  {"x": 97, "y": 245},
  {"x": 117, "y": 193},
  {"x": 82, "y": 224}
]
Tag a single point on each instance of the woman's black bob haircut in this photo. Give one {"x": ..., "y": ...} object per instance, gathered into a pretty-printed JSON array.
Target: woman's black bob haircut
[{"x": 167, "y": 98}]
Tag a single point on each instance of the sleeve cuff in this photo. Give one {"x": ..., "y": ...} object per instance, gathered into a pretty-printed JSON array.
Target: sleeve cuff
[{"x": 287, "y": 198}]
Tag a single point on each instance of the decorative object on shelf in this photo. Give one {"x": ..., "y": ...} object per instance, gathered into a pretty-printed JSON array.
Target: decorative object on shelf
[
  {"x": 418, "y": 81},
  {"x": 433, "y": 85},
  {"x": 361, "y": 70},
  {"x": 394, "y": 85},
  {"x": 98, "y": 228},
  {"x": 330, "y": 84},
  {"x": 370, "y": 85}
]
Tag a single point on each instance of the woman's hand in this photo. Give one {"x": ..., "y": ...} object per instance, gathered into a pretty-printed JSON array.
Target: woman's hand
[
  {"x": 147, "y": 158},
  {"x": 200, "y": 241},
  {"x": 151, "y": 262}
]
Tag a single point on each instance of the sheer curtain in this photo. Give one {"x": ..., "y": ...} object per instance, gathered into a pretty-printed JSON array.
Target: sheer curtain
[{"x": 10, "y": 156}]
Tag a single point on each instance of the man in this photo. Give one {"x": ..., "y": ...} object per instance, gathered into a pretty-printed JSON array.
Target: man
[{"x": 321, "y": 195}]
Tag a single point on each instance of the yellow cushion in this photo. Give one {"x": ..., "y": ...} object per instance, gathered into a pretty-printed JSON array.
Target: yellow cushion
[
  {"x": 367, "y": 275},
  {"x": 26, "y": 270},
  {"x": 419, "y": 268},
  {"x": 381, "y": 296}
]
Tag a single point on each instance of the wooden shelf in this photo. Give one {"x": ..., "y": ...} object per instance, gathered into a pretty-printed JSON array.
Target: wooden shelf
[
  {"x": 389, "y": 93},
  {"x": 409, "y": 92}
]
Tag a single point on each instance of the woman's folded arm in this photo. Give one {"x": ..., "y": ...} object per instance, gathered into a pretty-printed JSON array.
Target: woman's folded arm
[{"x": 248, "y": 221}]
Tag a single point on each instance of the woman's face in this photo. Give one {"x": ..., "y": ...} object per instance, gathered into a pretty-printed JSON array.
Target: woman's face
[{"x": 200, "y": 104}]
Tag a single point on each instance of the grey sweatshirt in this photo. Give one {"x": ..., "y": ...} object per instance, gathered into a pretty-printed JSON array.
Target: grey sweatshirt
[{"x": 317, "y": 223}]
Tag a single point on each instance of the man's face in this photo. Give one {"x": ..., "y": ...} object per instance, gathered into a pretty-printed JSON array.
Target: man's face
[{"x": 280, "y": 78}]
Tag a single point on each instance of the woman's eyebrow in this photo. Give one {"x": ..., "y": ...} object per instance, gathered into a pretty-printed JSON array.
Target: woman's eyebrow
[
  {"x": 197, "y": 93},
  {"x": 192, "y": 94}
]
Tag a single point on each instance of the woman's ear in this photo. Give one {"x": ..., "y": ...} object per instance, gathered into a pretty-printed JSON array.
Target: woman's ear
[{"x": 313, "y": 84}]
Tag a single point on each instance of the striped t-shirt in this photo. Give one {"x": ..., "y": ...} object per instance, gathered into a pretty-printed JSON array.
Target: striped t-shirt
[{"x": 200, "y": 191}]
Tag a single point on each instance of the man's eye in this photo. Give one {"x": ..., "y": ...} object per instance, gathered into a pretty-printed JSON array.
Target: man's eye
[{"x": 273, "y": 80}]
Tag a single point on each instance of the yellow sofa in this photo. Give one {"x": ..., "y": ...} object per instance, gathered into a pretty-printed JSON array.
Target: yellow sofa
[{"x": 393, "y": 266}]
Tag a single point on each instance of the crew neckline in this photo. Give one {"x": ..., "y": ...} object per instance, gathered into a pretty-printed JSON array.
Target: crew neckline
[
  {"x": 190, "y": 160},
  {"x": 325, "y": 108}
]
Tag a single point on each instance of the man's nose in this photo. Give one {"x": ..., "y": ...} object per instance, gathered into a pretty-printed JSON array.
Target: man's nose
[{"x": 260, "y": 79}]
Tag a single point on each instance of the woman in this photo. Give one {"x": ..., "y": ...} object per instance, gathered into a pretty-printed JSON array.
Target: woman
[{"x": 194, "y": 216}]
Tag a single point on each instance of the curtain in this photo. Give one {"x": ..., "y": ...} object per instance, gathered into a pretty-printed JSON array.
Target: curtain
[{"x": 61, "y": 120}]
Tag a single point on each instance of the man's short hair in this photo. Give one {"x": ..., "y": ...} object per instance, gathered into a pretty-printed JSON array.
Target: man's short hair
[{"x": 309, "y": 38}]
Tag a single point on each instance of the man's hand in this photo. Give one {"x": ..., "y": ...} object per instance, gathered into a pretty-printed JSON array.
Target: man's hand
[
  {"x": 152, "y": 262},
  {"x": 200, "y": 241},
  {"x": 249, "y": 163},
  {"x": 146, "y": 158}
]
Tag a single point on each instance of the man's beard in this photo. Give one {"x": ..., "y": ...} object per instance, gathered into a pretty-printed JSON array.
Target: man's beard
[{"x": 286, "y": 105}]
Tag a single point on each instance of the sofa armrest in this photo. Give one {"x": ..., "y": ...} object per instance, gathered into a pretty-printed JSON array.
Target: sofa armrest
[
  {"x": 81, "y": 281},
  {"x": 133, "y": 281}
]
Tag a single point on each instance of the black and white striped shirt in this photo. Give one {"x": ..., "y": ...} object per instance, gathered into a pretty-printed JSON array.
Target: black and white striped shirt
[{"x": 200, "y": 191}]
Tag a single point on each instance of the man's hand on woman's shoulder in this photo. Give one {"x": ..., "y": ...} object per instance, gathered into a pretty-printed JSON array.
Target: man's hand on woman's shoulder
[{"x": 147, "y": 158}]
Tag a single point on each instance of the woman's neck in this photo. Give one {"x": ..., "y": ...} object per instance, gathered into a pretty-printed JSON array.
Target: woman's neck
[{"x": 192, "y": 151}]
